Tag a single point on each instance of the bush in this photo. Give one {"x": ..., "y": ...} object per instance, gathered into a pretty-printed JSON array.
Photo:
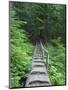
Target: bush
[
  {"x": 20, "y": 54},
  {"x": 56, "y": 66}
]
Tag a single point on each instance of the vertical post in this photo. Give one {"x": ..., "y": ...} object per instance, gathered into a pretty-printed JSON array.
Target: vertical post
[{"x": 47, "y": 61}]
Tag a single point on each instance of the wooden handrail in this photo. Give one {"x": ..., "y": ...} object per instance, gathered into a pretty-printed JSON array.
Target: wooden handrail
[{"x": 45, "y": 51}]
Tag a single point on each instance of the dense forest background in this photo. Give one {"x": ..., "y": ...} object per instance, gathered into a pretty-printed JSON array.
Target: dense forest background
[{"x": 28, "y": 23}]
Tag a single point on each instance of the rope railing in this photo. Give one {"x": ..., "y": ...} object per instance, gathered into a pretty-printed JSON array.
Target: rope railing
[{"x": 45, "y": 54}]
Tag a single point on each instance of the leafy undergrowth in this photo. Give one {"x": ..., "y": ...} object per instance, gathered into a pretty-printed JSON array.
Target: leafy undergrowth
[
  {"x": 56, "y": 68},
  {"x": 20, "y": 54}
]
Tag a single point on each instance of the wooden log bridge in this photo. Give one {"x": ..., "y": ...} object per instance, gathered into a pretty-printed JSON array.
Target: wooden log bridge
[{"x": 38, "y": 75}]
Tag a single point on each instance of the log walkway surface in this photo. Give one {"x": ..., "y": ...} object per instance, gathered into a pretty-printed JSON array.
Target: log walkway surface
[{"x": 39, "y": 73}]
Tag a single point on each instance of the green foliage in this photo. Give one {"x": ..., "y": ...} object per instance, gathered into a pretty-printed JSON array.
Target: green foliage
[
  {"x": 43, "y": 20},
  {"x": 20, "y": 53},
  {"x": 56, "y": 62}
]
